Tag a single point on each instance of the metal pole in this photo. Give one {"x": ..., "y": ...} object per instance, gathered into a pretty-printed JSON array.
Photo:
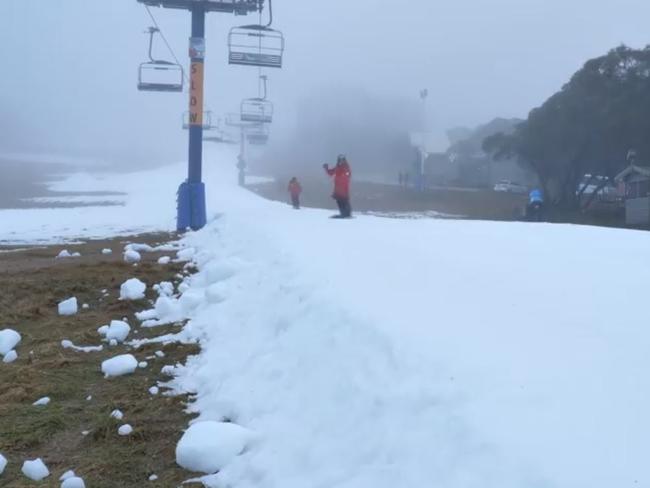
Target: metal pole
[{"x": 191, "y": 194}]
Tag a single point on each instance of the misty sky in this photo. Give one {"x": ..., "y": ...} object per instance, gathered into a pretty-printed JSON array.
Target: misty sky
[{"x": 69, "y": 68}]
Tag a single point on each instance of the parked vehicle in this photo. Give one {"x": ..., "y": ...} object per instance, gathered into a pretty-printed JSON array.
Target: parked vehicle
[{"x": 510, "y": 187}]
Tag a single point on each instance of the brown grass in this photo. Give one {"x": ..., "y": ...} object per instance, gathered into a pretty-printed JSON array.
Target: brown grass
[{"x": 32, "y": 284}]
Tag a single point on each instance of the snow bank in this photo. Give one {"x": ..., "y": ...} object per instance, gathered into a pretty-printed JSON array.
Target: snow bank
[
  {"x": 35, "y": 470},
  {"x": 132, "y": 289},
  {"x": 118, "y": 331},
  {"x": 68, "y": 307},
  {"x": 208, "y": 446},
  {"x": 3, "y": 463},
  {"x": 119, "y": 365},
  {"x": 9, "y": 339},
  {"x": 10, "y": 357}
]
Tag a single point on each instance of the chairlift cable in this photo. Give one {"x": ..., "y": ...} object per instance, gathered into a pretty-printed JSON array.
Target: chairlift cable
[{"x": 162, "y": 35}]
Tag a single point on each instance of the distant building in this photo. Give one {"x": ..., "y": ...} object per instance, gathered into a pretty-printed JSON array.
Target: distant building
[{"x": 637, "y": 194}]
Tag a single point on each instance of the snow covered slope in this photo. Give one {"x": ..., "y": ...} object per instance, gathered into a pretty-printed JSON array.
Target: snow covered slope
[{"x": 381, "y": 353}]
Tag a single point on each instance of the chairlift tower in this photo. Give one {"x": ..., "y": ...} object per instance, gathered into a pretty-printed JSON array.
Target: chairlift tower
[{"x": 191, "y": 193}]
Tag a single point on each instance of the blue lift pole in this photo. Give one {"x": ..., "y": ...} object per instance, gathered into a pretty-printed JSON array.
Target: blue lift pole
[{"x": 191, "y": 193}]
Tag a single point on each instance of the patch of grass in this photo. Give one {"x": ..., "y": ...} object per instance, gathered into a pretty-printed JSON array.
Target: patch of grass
[{"x": 81, "y": 398}]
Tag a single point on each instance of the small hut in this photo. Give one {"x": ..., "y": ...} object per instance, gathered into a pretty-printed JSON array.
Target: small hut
[{"x": 637, "y": 194}]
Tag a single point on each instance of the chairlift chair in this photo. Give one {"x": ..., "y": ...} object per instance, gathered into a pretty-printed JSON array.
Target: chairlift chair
[
  {"x": 255, "y": 45},
  {"x": 256, "y": 110},
  {"x": 257, "y": 135},
  {"x": 159, "y": 75}
]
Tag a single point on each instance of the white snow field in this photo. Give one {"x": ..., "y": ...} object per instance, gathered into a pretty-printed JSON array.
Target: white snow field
[{"x": 384, "y": 353}]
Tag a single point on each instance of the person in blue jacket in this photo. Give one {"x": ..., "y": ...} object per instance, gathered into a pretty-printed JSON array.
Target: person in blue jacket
[{"x": 535, "y": 207}]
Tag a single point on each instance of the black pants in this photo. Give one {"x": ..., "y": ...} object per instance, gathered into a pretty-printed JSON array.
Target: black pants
[
  {"x": 295, "y": 201},
  {"x": 534, "y": 212},
  {"x": 345, "y": 209}
]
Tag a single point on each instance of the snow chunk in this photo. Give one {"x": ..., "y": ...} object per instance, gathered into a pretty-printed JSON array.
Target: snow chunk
[
  {"x": 10, "y": 357},
  {"x": 119, "y": 365},
  {"x": 153, "y": 477},
  {"x": 85, "y": 306},
  {"x": 131, "y": 256},
  {"x": 132, "y": 289},
  {"x": 164, "y": 288},
  {"x": 164, "y": 260},
  {"x": 3, "y": 463},
  {"x": 154, "y": 390},
  {"x": 68, "y": 307},
  {"x": 35, "y": 470},
  {"x": 66, "y": 344},
  {"x": 160, "y": 354},
  {"x": 107, "y": 251},
  {"x": 67, "y": 474},
  {"x": 117, "y": 414},
  {"x": 103, "y": 330},
  {"x": 73, "y": 482},
  {"x": 186, "y": 254},
  {"x": 41, "y": 402},
  {"x": 9, "y": 339},
  {"x": 143, "y": 364},
  {"x": 209, "y": 446},
  {"x": 63, "y": 254},
  {"x": 76, "y": 255},
  {"x": 125, "y": 429},
  {"x": 138, "y": 247},
  {"x": 118, "y": 330}
]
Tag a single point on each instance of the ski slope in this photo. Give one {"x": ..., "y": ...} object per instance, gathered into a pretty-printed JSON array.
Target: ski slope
[{"x": 383, "y": 353}]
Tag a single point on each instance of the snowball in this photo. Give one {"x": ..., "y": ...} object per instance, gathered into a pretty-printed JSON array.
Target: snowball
[
  {"x": 42, "y": 402},
  {"x": 154, "y": 390},
  {"x": 63, "y": 254},
  {"x": 117, "y": 414},
  {"x": 185, "y": 254},
  {"x": 68, "y": 307},
  {"x": 35, "y": 470},
  {"x": 132, "y": 289},
  {"x": 119, "y": 365},
  {"x": 73, "y": 482},
  {"x": 125, "y": 429},
  {"x": 9, "y": 339},
  {"x": 66, "y": 475},
  {"x": 131, "y": 256},
  {"x": 164, "y": 260},
  {"x": 143, "y": 364},
  {"x": 118, "y": 331},
  {"x": 89, "y": 397},
  {"x": 209, "y": 446},
  {"x": 107, "y": 251},
  {"x": 153, "y": 477},
  {"x": 3, "y": 463},
  {"x": 10, "y": 357}
]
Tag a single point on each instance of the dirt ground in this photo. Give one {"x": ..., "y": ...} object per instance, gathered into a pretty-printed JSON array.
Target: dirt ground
[{"x": 32, "y": 283}]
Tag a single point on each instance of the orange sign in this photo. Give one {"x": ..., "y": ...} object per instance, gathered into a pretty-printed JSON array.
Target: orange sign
[{"x": 196, "y": 94}]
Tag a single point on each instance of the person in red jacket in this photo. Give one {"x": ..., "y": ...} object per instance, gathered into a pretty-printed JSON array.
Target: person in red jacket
[
  {"x": 295, "y": 190},
  {"x": 342, "y": 174}
]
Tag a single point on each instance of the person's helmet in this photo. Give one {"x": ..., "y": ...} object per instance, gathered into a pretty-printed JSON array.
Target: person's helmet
[{"x": 340, "y": 157}]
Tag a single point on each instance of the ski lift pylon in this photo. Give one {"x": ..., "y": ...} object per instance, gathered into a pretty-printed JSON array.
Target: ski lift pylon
[
  {"x": 255, "y": 45},
  {"x": 159, "y": 75}
]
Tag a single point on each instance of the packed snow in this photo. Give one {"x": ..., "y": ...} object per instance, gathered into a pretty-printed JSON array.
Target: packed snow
[
  {"x": 35, "y": 470},
  {"x": 68, "y": 307},
  {"x": 119, "y": 365},
  {"x": 41, "y": 402},
  {"x": 132, "y": 289},
  {"x": 9, "y": 339},
  {"x": 399, "y": 352},
  {"x": 209, "y": 446},
  {"x": 10, "y": 357}
]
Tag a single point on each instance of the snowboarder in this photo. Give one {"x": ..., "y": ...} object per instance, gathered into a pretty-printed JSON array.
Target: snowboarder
[
  {"x": 295, "y": 190},
  {"x": 341, "y": 173},
  {"x": 535, "y": 206}
]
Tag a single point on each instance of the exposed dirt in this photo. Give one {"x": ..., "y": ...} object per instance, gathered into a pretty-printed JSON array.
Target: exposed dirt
[{"x": 32, "y": 283}]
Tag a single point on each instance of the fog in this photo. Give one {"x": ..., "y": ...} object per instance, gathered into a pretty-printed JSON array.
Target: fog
[{"x": 353, "y": 71}]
